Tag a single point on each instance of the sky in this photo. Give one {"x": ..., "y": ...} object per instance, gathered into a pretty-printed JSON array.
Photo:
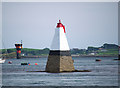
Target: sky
[{"x": 87, "y": 23}]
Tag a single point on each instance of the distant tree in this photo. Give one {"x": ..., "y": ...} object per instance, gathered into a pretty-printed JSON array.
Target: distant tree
[{"x": 110, "y": 46}]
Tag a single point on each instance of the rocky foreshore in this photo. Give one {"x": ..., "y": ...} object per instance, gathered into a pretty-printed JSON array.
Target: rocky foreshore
[{"x": 64, "y": 71}]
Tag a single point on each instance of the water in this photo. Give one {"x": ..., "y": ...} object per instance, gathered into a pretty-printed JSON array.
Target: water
[{"x": 103, "y": 73}]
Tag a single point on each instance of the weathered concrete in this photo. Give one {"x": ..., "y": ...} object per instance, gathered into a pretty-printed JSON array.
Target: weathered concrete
[
  {"x": 66, "y": 63},
  {"x": 57, "y": 63},
  {"x": 53, "y": 63}
]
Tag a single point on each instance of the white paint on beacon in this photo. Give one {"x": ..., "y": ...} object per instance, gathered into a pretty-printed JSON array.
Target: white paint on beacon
[{"x": 60, "y": 41}]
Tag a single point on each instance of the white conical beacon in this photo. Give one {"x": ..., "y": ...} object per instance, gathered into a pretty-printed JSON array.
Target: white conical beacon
[
  {"x": 59, "y": 59},
  {"x": 60, "y": 41}
]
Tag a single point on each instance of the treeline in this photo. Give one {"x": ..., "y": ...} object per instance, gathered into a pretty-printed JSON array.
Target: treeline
[
  {"x": 106, "y": 49},
  {"x": 27, "y": 51}
]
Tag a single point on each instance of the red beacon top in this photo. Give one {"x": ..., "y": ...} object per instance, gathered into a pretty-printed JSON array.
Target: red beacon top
[{"x": 61, "y": 25}]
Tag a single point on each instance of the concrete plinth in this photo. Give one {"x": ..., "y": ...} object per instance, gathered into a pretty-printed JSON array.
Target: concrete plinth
[{"x": 59, "y": 63}]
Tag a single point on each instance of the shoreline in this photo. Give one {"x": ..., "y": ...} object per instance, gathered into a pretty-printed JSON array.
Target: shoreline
[
  {"x": 77, "y": 56},
  {"x": 72, "y": 56},
  {"x": 95, "y": 56}
]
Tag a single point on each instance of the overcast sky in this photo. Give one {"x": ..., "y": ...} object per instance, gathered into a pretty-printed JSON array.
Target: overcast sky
[{"x": 87, "y": 24}]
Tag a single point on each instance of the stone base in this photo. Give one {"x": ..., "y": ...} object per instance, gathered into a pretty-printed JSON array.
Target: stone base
[{"x": 58, "y": 63}]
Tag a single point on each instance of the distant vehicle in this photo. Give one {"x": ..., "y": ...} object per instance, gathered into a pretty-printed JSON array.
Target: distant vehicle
[{"x": 2, "y": 60}]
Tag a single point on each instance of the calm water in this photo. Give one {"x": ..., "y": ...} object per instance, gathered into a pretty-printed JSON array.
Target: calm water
[{"x": 103, "y": 73}]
